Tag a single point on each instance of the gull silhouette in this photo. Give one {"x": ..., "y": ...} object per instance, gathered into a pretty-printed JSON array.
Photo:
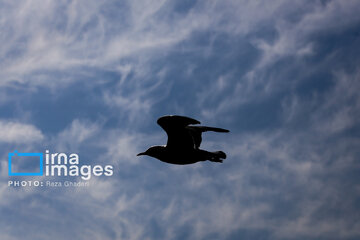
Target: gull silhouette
[{"x": 183, "y": 142}]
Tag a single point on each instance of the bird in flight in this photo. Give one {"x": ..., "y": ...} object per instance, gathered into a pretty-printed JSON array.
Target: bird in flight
[{"x": 184, "y": 141}]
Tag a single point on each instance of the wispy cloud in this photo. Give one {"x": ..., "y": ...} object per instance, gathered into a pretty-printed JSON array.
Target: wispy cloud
[
  {"x": 293, "y": 43},
  {"x": 283, "y": 77},
  {"x": 75, "y": 135}
]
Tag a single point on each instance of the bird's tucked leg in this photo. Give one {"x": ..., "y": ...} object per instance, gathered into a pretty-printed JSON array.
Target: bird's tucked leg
[{"x": 215, "y": 159}]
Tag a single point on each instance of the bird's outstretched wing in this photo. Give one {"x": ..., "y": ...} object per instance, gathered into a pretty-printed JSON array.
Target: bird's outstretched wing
[
  {"x": 178, "y": 136},
  {"x": 196, "y": 132}
]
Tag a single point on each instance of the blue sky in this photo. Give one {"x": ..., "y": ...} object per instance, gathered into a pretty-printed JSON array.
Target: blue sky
[{"x": 93, "y": 78}]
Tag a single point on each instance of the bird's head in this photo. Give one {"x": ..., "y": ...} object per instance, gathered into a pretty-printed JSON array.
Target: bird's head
[{"x": 154, "y": 151}]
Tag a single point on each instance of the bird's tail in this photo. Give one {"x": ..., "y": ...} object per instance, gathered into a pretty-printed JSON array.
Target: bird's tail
[{"x": 217, "y": 156}]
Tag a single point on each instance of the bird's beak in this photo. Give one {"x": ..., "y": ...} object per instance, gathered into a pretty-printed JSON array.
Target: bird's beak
[{"x": 143, "y": 153}]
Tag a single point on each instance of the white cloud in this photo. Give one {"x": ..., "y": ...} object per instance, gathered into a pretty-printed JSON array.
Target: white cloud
[
  {"x": 15, "y": 132},
  {"x": 79, "y": 131},
  {"x": 296, "y": 167}
]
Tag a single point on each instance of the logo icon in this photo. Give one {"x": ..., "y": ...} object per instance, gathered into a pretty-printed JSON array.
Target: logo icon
[{"x": 23, "y": 157}]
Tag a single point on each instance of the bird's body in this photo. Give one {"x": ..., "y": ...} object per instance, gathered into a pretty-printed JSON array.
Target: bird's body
[{"x": 183, "y": 142}]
